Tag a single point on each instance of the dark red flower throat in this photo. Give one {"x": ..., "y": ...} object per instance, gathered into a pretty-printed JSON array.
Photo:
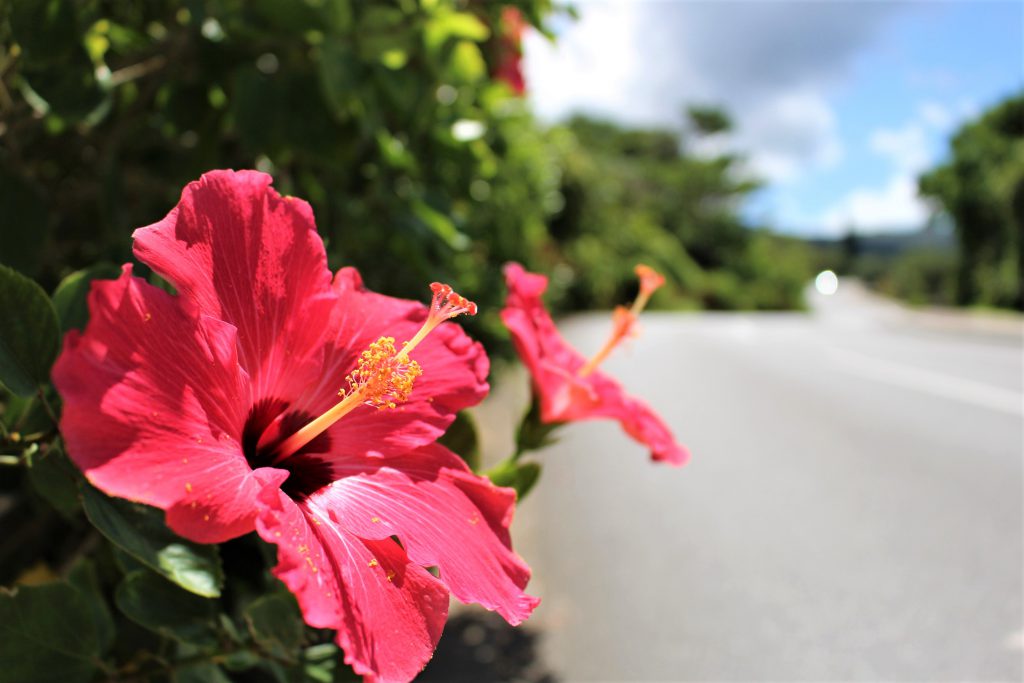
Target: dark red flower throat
[{"x": 269, "y": 423}]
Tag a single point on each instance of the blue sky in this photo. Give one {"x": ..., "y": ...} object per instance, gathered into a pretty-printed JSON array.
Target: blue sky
[{"x": 838, "y": 105}]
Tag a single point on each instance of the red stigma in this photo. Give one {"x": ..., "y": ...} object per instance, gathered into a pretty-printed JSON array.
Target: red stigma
[
  {"x": 447, "y": 303},
  {"x": 650, "y": 279}
]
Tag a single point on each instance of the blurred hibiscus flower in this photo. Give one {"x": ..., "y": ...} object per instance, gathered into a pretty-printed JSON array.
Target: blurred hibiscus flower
[
  {"x": 508, "y": 65},
  {"x": 220, "y": 405},
  {"x": 570, "y": 387}
]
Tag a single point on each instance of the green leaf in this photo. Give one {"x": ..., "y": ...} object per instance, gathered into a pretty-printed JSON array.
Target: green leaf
[
  {"x": 83, "y": 578},
  {"x": 56, "y": 480},
  {"x": 440, "y": 225},
  {"x": 339, "y": 71},
  {"x": 447, "y": 24},
  {"x": 47, "y": 635},
  {"x": 276, "y": 624},
  {"x": 461, "y": 438},
  {"x": 323, "y": 663},
  {"x": 467, "y": 62},
  {"x": 126, "y": 562},
  {"x": 70, "y": 297},
  {"x": 29, "y": 335},
  {"x": 240, "y": 660},
  {"x": 69, "y": 89},
  {"x": 140, "y": 531},
  {"x": 151, "y": 601},
  {"x": 394, "y": 59},
  {"x": 26, "y": 222},
  {"x": 533, "y": 433},
  {"x": 203, "y": 672},
  {"x": 519, "y": 475}
]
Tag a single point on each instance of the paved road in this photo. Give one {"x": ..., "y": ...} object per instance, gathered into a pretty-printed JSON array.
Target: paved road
[{"x": 853, "y": 510}]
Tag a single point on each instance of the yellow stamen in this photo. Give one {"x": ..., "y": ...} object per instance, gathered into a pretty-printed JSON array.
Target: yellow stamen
[
  {"x": 623, "y": 320},
  {"x": 384, "y": 376}
]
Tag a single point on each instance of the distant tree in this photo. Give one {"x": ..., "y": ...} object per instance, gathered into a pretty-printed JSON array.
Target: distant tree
[
  {"x": 851, "y": 250},
  {"x": 982, "y": 188},
  {"x": 707, "y": 120},
  {"x": 640, "y": 195}
]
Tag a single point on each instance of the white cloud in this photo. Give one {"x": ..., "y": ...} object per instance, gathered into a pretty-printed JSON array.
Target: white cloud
[
  {"x": 945, "y": 117},
  {"x": 790, "y": 134},
  {"x": 936, "y": 115},
  {"x": 594, "y": 66},
  {"x": 895, "y": 206},
  {"x": 766, "y": 63},
  {"x": 908, "y": 148}
]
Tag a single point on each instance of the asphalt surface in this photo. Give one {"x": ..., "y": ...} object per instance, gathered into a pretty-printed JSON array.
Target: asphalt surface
[{"x": 853, "y": 509}]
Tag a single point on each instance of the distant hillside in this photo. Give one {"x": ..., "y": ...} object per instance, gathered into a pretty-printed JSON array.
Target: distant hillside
[{"x": 937, "y": 236}]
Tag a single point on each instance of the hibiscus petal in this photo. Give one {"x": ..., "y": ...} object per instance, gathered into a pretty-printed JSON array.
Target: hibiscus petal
[
  {"x": 153, "y": 407},
  {"x": 638, "y": 420},
  {"x": 554, "y": 367},
  {"x": 551, "y": 361},
  {"x": 444, "y": 516},
  {"x": 241, "y": 253},
  {"x": 388, "y": 613},
  {"x": 454, "y": 372}
]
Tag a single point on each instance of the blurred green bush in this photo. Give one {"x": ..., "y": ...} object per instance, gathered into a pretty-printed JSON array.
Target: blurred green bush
[{"x": 921, "y": 277}]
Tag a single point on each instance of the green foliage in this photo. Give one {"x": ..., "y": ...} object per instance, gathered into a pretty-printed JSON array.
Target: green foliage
[
  {"x": 419, "y": 166},
  {"x": 922, "y": 277},
  {"x": 29, "y": 337},
  {"x": 85, "y": 579},
  {"x": 520, "y": 476},
  {"x": 70, "y": 297},
  {"x": 982, "y": 188},
  {"x": 159, "y": 605},
  {"x": 55, "y": 479},
  {"x": 461, "y": 437},
  {"x": 774, "y": 271},
  {"x": 202, "y": 672},
  {"x": 50, "y": 633},
  {"x": 139, "y": 530},
  {"x": 275, "y": 624},
  {"x": 708, "y": 120},
  {"x": 632, "y": 196},
  {"x": 531, "y": 435},
  {"x": 26, "y": 222}
]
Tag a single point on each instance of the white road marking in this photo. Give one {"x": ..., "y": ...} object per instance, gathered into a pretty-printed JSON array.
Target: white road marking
[{"x": 929, "y": 382}]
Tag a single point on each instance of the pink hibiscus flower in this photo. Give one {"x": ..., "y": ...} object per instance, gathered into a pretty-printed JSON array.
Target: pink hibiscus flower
[
  {"x": 571, "y": 387},
  {"x": 206, "y": 405}
]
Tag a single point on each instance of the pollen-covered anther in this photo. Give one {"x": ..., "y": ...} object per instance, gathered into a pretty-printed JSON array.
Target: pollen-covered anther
[{"x": 383, "y": 378}]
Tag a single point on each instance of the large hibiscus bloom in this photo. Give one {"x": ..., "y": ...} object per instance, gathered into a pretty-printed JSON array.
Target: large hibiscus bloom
[
  {"x": 205, "y": 405},
  {"x": 570, "y": 387}
]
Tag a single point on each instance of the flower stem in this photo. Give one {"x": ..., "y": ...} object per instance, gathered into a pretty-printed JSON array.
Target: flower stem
[{"x": 41, "y": 395}]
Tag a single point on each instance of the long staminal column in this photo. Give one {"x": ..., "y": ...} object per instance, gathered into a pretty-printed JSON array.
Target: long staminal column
[
  {"x": 624, "y": 320},
  {"x": 384, "y": 376}
]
